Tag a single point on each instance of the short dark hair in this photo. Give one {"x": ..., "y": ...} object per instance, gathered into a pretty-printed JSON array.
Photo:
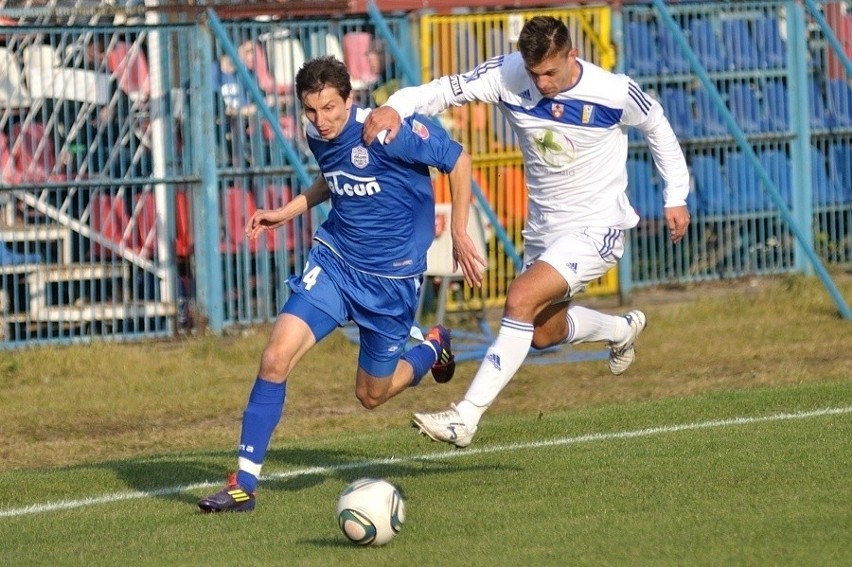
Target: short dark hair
[
  {"x": 322, "y": 72},
  {"x": 541, "y": 37}
]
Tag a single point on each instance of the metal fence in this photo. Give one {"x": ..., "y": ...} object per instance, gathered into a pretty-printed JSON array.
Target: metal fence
[
  {"x": 777, "y": 75},
  {"x": 131, "y": 153},
  {"x": 456, "y": 44}
]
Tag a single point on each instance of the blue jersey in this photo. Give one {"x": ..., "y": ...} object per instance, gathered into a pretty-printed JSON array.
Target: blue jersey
[{"x": 382, "y": 218}]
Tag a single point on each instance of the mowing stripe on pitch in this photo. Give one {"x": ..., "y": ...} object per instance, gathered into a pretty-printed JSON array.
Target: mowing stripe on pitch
[{"x": 452, "y": 454}]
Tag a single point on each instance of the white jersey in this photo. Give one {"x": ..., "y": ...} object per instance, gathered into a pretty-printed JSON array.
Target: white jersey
[{"x": 574, "y": 144}]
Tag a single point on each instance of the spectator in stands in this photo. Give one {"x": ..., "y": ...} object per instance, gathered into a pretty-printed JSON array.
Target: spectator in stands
[
  {"x": 236, "y": 105},
  {"x": 9, "y": 257},
  {"x": 367, "y": 265},
  {"x": 386, "y": 83},
  {"x": 571, "y": 118}
]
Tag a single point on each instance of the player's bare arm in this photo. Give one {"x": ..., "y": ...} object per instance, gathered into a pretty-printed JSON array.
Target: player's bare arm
[
  {"x": 379, "y": 120},
  {"x": 677, "y": 219},
  {"x": 270, "y": 219},
  {"x": 464, "y": 250}
]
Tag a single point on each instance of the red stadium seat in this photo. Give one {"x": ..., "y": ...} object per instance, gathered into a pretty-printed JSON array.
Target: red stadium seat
[
  {"x": 145, "y": 215},
  {"x": 288, "y": 127},
  {"x": 33, "y": 159},
  {"x": 355, "y": 48},
  {"x": 183, "y": 225},
  {"x": 129, "y": 65},
  {"x": 277, "y": 196},
  {"x": 108, "y": 219},
  {"x": 239, "y": 206},
  {"x": 264, "y": 78},
  {"x": 7, "y": 172}
]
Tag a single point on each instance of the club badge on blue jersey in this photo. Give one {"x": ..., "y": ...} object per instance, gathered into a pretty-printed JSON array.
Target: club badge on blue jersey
[
  {"x": 360, "y": 157},
  {"x": 420, "y": 129}
]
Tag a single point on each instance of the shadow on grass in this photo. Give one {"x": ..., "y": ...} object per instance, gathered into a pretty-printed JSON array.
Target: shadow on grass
[
  {"x": 346, "y": 467},
  {"x": 164, "y": 477}
]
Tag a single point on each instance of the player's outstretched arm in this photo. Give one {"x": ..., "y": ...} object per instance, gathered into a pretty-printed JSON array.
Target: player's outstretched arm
[
  {"x": 429, "y": 99},
  {"x": 465, "y": 253},
  {"x": 270, "y": 219}
]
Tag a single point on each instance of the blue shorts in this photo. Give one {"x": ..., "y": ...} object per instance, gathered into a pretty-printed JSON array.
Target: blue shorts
[{"x": 382, "y": 308}]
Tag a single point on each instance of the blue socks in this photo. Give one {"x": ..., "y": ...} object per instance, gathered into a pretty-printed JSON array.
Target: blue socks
[
  {"x": 421, "y": 358},
  {"x": 261, "y": 416}
]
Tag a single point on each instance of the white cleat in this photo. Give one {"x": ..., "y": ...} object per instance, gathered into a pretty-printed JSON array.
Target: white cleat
[
  {"x": 622, "y": 355},
  {"x": 446, "y": 426}
]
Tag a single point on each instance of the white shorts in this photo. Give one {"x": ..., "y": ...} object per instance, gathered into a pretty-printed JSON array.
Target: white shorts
[{"x": 580, "y": 256}]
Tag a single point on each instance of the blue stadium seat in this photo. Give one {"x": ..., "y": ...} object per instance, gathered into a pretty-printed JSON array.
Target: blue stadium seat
[
  {"x": 825, "y": 190},
  {"x": 770, "y": 45},
  {"x": 742, "y": 51},
  {"x": 642, "y": 57},
  {"x": 708, "y": 118},
  {"x": 678, "y": 110},
  {"x": 777, "y": 165},
  {"x": 840, "y": 101},
  {"x": 776, "y": 102},
  {"x": 672, "y": 60},
  {"x": 708, "y": 47},
  {"x": 820, "y": 118},
  {"x": 743, "y": 104},
  {"x": 713, "y": 194},
  {"x": 634, "y": 135},
  {"x": 644, "y": 194},
  {"x": 840, "y": 169},
  {"x": 743, "y": 181}
]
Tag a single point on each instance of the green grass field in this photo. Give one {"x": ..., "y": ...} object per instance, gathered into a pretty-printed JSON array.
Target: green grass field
[
  {"x": 728, "y": 443},
  {"x": 750, "y": 478}
]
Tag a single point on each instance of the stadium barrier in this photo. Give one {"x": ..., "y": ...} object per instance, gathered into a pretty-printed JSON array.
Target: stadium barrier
[{"x": 126, "y": 171}]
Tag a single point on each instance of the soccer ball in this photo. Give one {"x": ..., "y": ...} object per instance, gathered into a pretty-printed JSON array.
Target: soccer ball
[{"x": 370, "y": 511}]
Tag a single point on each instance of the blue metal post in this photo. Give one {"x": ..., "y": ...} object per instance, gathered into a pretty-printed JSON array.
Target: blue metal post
[
  {"x": 800, "y": 148},
  {"x": 745, "y": 147},
  {"x": 625, "y": 266},
  {"x": 205, "y": 196}
]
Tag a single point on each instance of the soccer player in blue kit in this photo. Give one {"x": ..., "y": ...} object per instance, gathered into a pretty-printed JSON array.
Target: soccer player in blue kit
[
  {"x": 367, "y": 265},
  {"x": 571, "y": 119}
]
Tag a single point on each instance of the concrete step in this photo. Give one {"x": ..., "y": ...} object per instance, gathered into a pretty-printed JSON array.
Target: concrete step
[
  {"x": 46, "y": 234},
  {"x": 40, "y": 281},
  {"x": 87, "y": 313},
  {"x": 107, "y": 311}
]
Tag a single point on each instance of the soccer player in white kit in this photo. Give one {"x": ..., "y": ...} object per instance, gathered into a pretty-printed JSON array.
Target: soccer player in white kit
[{"x": 571, "y": 119}]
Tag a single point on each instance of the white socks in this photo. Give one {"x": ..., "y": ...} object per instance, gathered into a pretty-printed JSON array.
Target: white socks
[
  {"x": 510, "y": 349},
  {"x": 586, "y": 325},
  {"x": 502, "y": 361}
]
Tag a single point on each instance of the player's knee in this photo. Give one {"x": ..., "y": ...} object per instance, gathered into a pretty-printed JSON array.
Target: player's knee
[
  {"x": 274, "y": 366},
  {"x": 369, "y": 401},
  {"x": 517, "y": 306}
]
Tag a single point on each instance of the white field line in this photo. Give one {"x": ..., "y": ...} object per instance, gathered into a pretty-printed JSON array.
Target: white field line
[{"x": 452, "y": 454}]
